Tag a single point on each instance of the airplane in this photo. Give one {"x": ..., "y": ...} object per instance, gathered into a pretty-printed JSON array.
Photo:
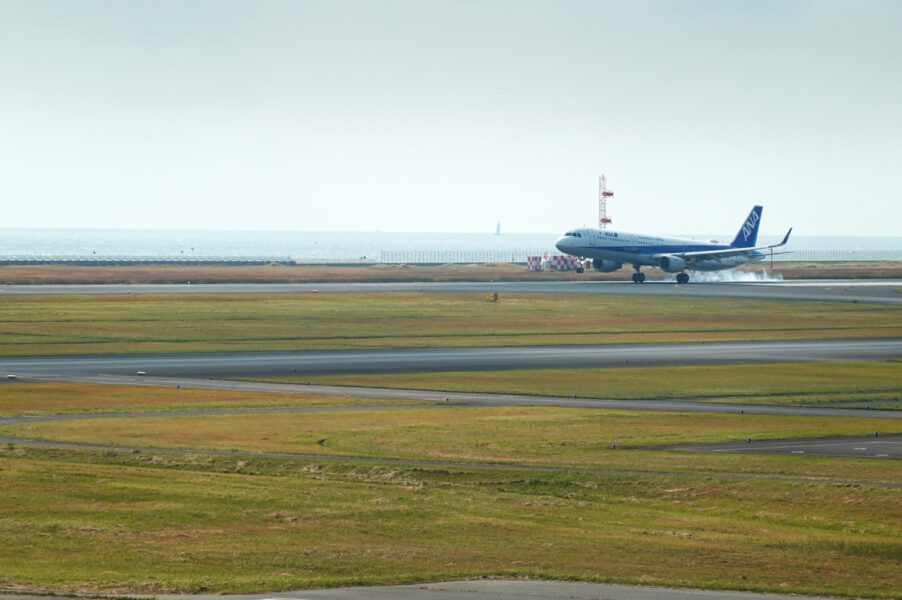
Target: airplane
[{"x": 609, "y": 250}]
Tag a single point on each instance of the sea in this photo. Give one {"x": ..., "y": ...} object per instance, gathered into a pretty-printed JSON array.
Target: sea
[{"x": 376, "y": 246}]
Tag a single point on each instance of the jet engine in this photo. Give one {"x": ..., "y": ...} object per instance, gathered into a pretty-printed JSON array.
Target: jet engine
[
  {"x": 671, "y": 264},
  {"x": 606, "y": 266}
]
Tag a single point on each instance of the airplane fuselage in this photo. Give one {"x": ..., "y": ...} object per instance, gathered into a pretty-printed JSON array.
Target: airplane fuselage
[
  {"x": 639, "y": 249},
  {"x": 610, "y": 250}
]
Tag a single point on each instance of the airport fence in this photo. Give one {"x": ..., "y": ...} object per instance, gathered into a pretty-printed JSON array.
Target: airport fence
[
  {"x": 412, "y": 257},
  {"x": 99, "y": 261},
  {"x": 838, "y": 255},
  {"x": 439, "y": 257},
  {"x": 521, "y": 256}
]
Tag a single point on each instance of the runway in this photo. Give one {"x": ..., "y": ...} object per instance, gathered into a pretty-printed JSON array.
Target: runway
[
  {"x": 880, "y": 291},
  {"x": 270, "y": 364}
]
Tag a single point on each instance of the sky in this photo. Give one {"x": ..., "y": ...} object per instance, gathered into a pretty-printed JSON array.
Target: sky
[{"x": 451, "y": 116}]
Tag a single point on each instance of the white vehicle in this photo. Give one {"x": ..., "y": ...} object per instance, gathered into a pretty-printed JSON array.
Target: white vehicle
[{"x": 610, "y": 250}]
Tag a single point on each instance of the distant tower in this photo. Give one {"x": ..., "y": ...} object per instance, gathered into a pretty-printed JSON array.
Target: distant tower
[
  {"x": 603, "y": 194},
  {"x": 498, "y": 228}
]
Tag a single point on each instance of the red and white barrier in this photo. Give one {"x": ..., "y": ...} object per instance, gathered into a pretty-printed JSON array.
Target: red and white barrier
[{"x": 552, "y": 262}]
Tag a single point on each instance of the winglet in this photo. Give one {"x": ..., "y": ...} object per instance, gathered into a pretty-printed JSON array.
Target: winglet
[{"x": 786, "y": 238}]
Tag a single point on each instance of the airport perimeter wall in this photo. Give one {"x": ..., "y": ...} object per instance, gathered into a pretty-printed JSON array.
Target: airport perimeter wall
[
  {"x": 521, "y": 257},
  {"x": 410, "y": 257}
]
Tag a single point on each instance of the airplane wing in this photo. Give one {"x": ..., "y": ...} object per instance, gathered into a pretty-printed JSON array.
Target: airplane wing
[{"x": 690, "y": 257}]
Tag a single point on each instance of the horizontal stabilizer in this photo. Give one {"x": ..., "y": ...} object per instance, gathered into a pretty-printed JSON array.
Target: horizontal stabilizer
[{"x": 690, "y": 257}]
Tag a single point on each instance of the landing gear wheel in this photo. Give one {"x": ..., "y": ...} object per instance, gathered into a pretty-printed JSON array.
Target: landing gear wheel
[
  {"x": 682, "y": 278},
  {"x": 580, "y": 269},
  {"x": 638, "y": 277}
]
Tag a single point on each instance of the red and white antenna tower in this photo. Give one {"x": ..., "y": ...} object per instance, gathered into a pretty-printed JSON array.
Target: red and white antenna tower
[{"x": 603, "y": 194}]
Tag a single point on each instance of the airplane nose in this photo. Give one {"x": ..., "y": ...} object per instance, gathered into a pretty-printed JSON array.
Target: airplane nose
[{"x": 561, "y": 244}]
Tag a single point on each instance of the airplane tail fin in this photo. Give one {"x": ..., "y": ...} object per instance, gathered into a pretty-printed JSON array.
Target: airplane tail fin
[{"x": 747, "y": 236}]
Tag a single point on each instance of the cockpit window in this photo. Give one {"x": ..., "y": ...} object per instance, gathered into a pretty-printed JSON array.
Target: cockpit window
[{"x": 573, "y": 234}]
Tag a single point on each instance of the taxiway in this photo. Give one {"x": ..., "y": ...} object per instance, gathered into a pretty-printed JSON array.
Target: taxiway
[
  {"x": 871, "y": 446},
  {"x": 273, "y": 364}
]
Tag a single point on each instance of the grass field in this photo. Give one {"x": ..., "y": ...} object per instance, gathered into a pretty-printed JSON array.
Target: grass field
[
  {"x": 537, "y": 436},
  {"x": 149, "y": 522},
  {"x": 124, "y": 522},
  {"x": 793, "y": 384},
  {"x": 115, "y": 522},
  {"x": 155, "y": 324}
]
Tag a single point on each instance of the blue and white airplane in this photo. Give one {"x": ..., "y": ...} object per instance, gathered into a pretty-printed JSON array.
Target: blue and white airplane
[{"x": 609, "y": 250}]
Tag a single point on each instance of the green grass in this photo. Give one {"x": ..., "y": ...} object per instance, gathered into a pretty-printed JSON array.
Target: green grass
[
  {"x": 118, "y": 522},
  {"x": 789, "y": 383},
  {"x": 156, "y": 324},
  {"x": 147, "y": 522}
]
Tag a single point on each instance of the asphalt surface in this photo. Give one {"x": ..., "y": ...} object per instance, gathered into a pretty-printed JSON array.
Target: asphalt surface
[
  {"x": 479, "y": 590},
  {"x": 270, "y": 364},
  {"x": 880, "y": 291},
  {"x": 871, "y": 446},
  {"x": 460, "y": 398}
]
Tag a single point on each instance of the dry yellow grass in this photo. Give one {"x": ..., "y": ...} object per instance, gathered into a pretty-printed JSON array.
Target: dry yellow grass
[
  {"x": 67, "y": 398},
  {"x": 556, "y": 437},
  {"x": 43, "y": 274}
]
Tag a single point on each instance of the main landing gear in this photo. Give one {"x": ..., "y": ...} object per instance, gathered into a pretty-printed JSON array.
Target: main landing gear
[
  {"x": 682, "y": 278},
  {"x": 638, "y": 276}
]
